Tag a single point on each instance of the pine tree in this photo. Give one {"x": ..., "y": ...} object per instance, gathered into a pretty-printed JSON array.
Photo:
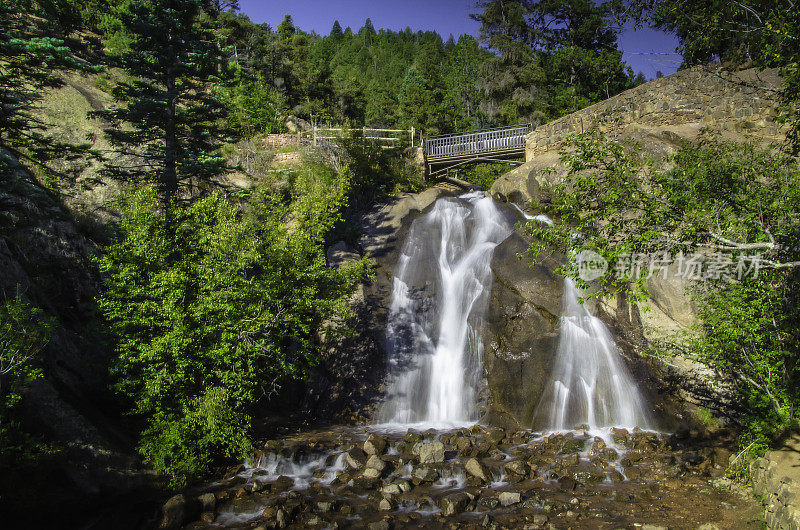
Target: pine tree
[
  {"x": 171, "y": 112},
  {"x": 580, "y": 55},
  {"x": 367, "y": 33},
  {"x": 336, "y": 30},
  {"x": 462, "y": 78},
  {"x": 286, "y": 28},
  {"x": 552, "y": 57},
  {"x": 513, "y": 80},
  {"x": 368, "y": 28}
]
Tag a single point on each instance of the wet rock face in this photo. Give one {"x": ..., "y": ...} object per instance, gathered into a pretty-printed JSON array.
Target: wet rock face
[
  {"x": 499, "y": 479},
  {"x": 521, "y": 339},
  {"x": 521, "y": 333}
]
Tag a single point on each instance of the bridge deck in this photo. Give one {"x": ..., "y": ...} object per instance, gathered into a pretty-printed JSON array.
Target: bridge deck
[{"x": 489, "y": 144}]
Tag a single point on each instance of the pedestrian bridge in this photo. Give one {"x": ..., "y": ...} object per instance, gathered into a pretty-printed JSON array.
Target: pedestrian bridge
[{"x": 448, "y": 151}]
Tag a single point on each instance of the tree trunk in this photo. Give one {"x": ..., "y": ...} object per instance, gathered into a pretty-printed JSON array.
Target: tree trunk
[{"x": 169, "y": 182}]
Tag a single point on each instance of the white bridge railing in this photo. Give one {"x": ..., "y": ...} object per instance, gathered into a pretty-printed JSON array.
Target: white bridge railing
[{"x": 488, "y": 142}]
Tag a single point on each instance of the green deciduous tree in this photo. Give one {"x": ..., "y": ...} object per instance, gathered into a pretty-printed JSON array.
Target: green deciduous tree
[
  {"x": 719, "y": 195},
  {"x": 252, "y": 105},
  {"x": 763, "y": 33},
  {"x": 24, "y": 332},
  {"x": 216, "y": 306},
  {"x": 582, "y": 62},
  {"x": 713, "y": 30},
  {"x": 749, "y": 334},
  {"x": 552, "y": 57},
  {"x": 783, "y": 51}
]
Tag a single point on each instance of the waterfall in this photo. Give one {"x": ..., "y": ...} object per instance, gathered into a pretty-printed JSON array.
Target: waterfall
[
  {"x": 590, "y": 383},
  {"x": 439, "y": 297},
  {"x": 541, "y": 217}
]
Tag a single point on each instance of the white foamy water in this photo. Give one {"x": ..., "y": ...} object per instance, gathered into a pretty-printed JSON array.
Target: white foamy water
[
  {"x": 397, "y": 427},
  {"x": 303, "y": 470},
  {"x": 227, "y": 518},
  {"x": 590, "y": 384},
  {"x": 541, "y": 217},
  {"x": 453, "y": 479},
  {"x": 439, "y": 298}
]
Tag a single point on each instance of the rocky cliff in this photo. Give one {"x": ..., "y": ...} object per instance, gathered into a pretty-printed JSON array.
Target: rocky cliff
[
  {"x": 47, "y": 255},
  {"x": 659, "y": 116}
]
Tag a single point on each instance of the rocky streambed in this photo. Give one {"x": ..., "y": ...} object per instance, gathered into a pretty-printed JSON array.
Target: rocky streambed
[{"x": 477, "y": 477}]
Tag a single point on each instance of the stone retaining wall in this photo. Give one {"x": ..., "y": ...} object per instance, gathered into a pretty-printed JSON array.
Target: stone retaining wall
[
  {"x": 779, "y": 494},
  {"x": 728, "y": 101}
]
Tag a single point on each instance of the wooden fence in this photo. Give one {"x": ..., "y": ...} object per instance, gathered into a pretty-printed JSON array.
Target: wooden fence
[{"x": 384, "y": 137}]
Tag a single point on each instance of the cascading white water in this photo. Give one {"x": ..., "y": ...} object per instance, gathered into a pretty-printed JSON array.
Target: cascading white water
[
  {"x": 541, "y": 217},
  {"x": 590, "y": 383},
  {"x": 438, "y": 300}
]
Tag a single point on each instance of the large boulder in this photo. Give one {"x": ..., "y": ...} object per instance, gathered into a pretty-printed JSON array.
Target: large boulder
[
  {"x": 431, "y": 453},
  {"x": 178, "y": 511},
  {"x": 374, "y": 445},
  {"x": 520, "y": 333},
  {"x": 475, "y": 467},
  {"x": 527, "y": 185},
  {"x": 356, "y": 458},
  {"x": 454, "y": 503},
  {"x": 296, "y": 125}
]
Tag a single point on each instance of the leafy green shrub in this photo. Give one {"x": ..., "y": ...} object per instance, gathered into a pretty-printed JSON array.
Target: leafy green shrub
[
  {"x": 215, "y": 306},
  {"x": 24, "y": 331},
  {"x": 750, "y": 333},
  {"x": 253, "y": 106},
  {"x": 378, "y": 173},
  {"x": 206, "y": 428},
  {"x": 483, "y": 175}
]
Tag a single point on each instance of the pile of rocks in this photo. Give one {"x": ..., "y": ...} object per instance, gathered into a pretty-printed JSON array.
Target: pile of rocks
[
  {"x": 775, "y": 481},
  {"x": 477, "y": 477}
]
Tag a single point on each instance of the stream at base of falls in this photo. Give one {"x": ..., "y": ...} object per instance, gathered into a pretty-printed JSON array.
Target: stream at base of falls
[{"x": 483, "y": 477}]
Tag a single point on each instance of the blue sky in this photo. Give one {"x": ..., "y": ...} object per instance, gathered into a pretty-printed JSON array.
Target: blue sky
[{"x": 645, "y": 50}]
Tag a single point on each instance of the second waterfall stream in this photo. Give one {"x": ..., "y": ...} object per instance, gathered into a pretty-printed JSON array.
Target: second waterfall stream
[{"x": 590, "y": 384}]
